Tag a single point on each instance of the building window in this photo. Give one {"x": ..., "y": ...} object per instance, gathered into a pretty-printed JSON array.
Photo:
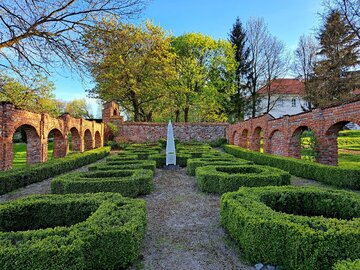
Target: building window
[
  {"x": 281, "y": 102},
  {"x": 293, "y": 102}
]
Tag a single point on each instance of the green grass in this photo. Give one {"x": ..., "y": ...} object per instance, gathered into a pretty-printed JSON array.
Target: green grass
[
  {"x": 349, "y": 160},
  {"x": 20, "y": 154}
]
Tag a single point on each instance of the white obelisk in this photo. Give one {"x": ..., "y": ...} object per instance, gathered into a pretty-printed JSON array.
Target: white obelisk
[{"x": 170, "y": 146}]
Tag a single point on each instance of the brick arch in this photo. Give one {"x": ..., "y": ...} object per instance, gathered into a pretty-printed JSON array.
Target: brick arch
[
  {"x": 88, "y": 140},
  {"x": 75, "y": 139},
  {"x": 295, "y": 143},
  {"x": 277, "y": 143},
  {"x": 245, "y": 143},
  {"x": 60, "y": 145},
  {"x": 256, "y": 137},
  {"x": 33, "y": 144},
  {"x": 235, "y": 138},
  {"x": 97, "y": 139}
]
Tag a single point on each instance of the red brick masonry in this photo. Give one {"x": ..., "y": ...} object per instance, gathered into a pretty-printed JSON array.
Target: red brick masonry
[{"x": 281, "y": 136}]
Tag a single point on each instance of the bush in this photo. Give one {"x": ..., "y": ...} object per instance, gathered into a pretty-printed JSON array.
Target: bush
[
  {"x": 163, "y": 142},
  {"x": 347, "y": 265},
  {"x": 129, "y": 183},
  {"x": 140, "y": 153},
  {"x": 192, "y": 164},
  {"x": 160, "y": 159},
  {"x": 218, "y": 142},
  {"x": 297, "y": 228},
  {"x": 16, "y": 178},
  {"x": 89, "y": 231},
  {"x": 124, "y": 165},
  {"x": 221, "y": 179},
  {"x": 138, "y": 146},
  {"x": 121, "y": 158},
  {"x": 337, "y": 176}
]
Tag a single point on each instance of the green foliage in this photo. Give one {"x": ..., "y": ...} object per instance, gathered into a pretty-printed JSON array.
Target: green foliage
[
  {"x": 225, "y": 178},
  {"x": 160, "y": 159},
  {"x": 16, "y": 178},
  {"x": 218, "y": 142},
  {"x": 192, "y": 164},
  {"x": 79, "y": 108},
  {"x": 124, "y": 165},
  {"x": 78, "y": 232},
  {"x": 297, "y": 228},
  {"x": 37, "y": 96},
  {"x": 323, "y": 173},
  {"x": 347, "y": 265},
  {"x": 20, "y": 159},
  {"x": 129, "y": 183}
]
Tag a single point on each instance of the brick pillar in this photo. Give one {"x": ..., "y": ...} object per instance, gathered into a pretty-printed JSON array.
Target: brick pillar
[
  {"x": 60, "y": 145},
  {"x": 88, "y": 140},
  {"x": 76, "y": 140},
  {"x": 98, "y": 142},
  {"x": 255, "y": 140},
  {"x": 6, "y": 144}
]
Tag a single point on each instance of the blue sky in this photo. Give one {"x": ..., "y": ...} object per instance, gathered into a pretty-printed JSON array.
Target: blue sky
[{"x": 286, "y": 19}]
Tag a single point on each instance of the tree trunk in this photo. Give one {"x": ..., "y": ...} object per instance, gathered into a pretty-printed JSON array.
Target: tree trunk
[
  {"x": 186, "y": 114},
  {"x": 136, "y": 107},
  {"x": 177, "y": 116}
]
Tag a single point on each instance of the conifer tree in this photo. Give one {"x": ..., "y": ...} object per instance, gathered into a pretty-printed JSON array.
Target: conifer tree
[
  {"x": 237, "y": 37},
  {"x": 338, "y": 57}
]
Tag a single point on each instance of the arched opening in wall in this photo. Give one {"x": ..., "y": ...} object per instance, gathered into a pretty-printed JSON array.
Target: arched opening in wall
[
  {"x": 277, "y": 143},
  {"x": 245, "y": 143},
  {"x": 343, "y": 145},
  {"x": 236, "y": 138},
  {"x": 97, "y": 139},
  {"x": 303, "y": 144},
  {"x": 115, "y": 112},
  {"x": 74, "y": 140},
  {"x": 257, "y": 140},
  {"x": 26, "y": 146},
  {"x": 88, "y": 140},
  {"x": 56, "y": 144}
]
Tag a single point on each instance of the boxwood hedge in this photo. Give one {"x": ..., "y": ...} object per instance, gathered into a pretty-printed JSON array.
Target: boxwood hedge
[
  {"x": 221, "y": 179},
  {"x": 121, "y": 158},
  {"x": 78, "y": 232},
  {"x": 194, "y": 163},
  {"x": 140, "y": 153},
  {"x": 129, "y": 183},
  {"x": 16, "y": 178},
  {"x": 333, "y": 175},
  {"x": 347, "y": 265},
  {"x": 297, "y": 228},
  {"x": 124, "y": 165},
  {"x": 160, "y": 159}
]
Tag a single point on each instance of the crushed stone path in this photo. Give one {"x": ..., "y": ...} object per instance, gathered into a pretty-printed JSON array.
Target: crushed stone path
[{"x": 184, "y": 230}]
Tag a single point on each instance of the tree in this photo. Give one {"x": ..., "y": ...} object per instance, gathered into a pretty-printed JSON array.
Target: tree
[
  {"x": 36, "y": 35},
  {"x": 276, "y": 66},
  {"x": 79, "y": 108},
  {"x": 237, "y": 37},
  {"x": 258, "y": 36},
  {"x": 37, "y": 96},
  {"x": 338, "y": 56},
  {"x": 205, "y": 76},
  {"x": 131, "y": 65},
  {"x": 350, "y": 11},
  {"x": 305, "y": 58}
]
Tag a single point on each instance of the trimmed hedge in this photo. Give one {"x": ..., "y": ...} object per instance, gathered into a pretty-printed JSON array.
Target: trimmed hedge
[
  {"x": 297, "y": 228},
  {"x": 141, "y": 154},
  {"x": 194, "y": 163},
  {"x": 129, "y": 183},
  {"x": 117, "y": 158},
  {"x": 221, "y": 179},
  {"x": 124, "y": 165},
  {"x": 153, "y": 147},
  {"x": 347, "y": 265},
  {"x": 72, "y": 232},
  {"x": 16, "y": 178},
  {"x": 160, "y": 159},
  {"x": 332, "y": 175}
]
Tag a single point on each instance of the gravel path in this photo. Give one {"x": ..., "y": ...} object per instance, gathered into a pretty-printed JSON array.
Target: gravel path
[{"x": 184, "y": 230}]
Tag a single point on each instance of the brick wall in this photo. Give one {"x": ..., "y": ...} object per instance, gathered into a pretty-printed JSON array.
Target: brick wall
[
  {"x": 282, "y": 136},
  {"x": 38, "y": 127},
  {"x": 185, "y": 132}
]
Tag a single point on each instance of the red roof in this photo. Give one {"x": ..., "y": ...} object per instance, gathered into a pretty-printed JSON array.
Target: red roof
[
  {"x": 284, "y": 87},
  {"x": 356, "y": 92}
]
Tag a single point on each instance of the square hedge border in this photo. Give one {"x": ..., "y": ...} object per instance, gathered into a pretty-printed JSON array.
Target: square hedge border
[
  {"x": 107, "y": 236},
  {"x": 297, "y": 228},
  {"x": 130, "y": 183}
]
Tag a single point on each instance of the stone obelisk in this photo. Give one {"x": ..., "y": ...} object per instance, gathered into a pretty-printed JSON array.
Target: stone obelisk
[{"x": 170, "y": 146}]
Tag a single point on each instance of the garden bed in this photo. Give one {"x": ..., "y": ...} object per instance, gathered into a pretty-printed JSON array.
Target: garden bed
[
  {"x": 91, "y": 231},
  {"x": 297, "y": 228},
  {"x": 124, "y": 165},
  {"x": 129, "y": 183},
  {"x": 225, "y": 178}
]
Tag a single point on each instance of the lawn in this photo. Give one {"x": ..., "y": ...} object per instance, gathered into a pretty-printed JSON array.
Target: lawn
[{"x": 20, "y": 154}]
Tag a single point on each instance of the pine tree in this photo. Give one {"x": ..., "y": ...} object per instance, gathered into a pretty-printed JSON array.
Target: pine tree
[
  {"x": 237, "y": 37},
  {"x": 338, "y": 58}
]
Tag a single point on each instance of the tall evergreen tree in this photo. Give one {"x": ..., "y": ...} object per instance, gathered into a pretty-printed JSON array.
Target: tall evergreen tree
[
  {"x": 237, "y": 37},
  {"x": 339, "y": 55}
]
